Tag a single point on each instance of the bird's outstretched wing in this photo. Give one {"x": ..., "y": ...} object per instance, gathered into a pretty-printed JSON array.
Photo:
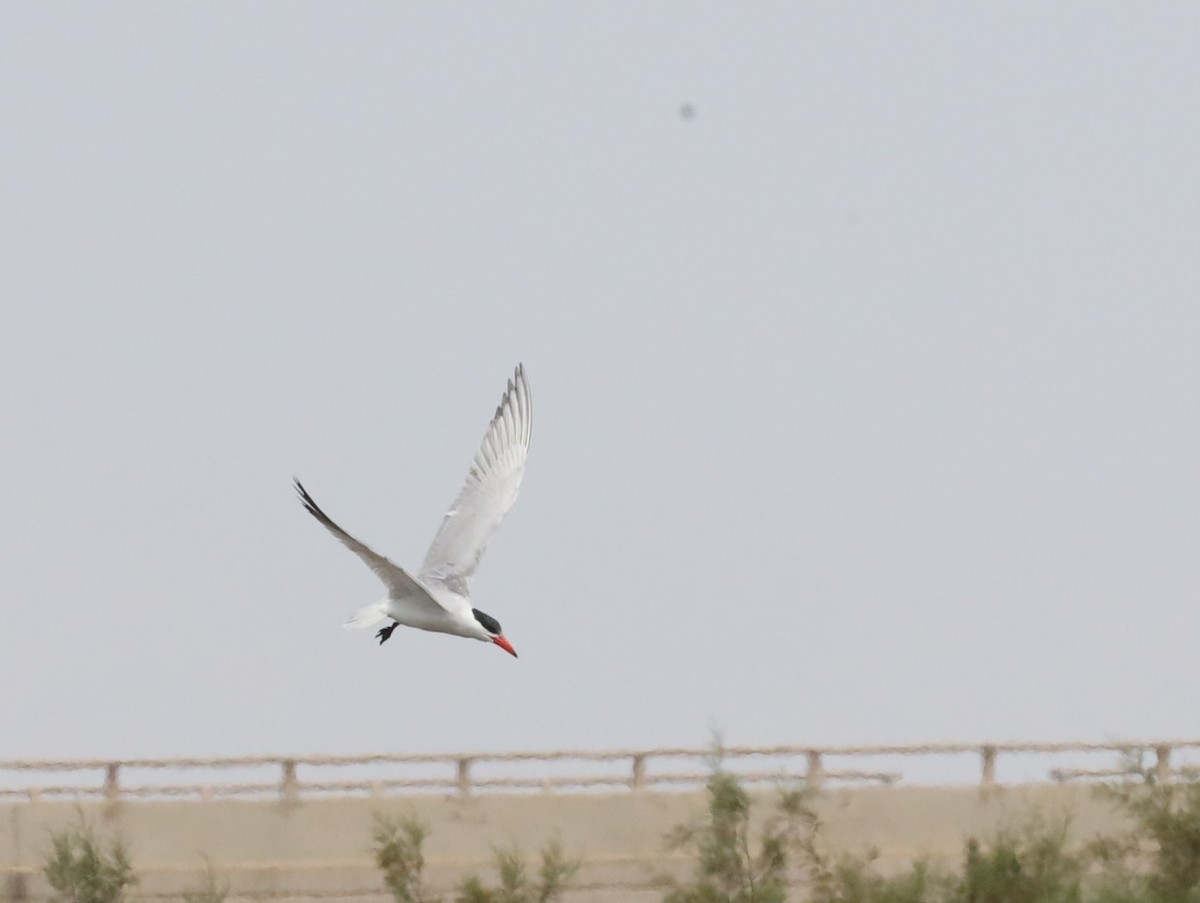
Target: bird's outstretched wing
[
  {"x": 488, "y": 494},
  {"x": 399, "y": 582}
]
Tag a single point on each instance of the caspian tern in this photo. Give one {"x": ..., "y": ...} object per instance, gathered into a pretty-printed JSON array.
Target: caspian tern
[{"x": 438, "y": 597}]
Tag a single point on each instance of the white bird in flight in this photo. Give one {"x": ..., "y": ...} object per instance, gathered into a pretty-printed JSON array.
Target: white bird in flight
[{"x": 438, "y": 597}]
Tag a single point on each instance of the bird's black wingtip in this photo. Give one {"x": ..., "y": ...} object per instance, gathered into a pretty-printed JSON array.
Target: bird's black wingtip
[{"x": 307, "y": 499}]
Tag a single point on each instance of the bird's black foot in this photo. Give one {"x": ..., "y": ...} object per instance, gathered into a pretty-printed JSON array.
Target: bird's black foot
[{"x": 386, "y": 633}]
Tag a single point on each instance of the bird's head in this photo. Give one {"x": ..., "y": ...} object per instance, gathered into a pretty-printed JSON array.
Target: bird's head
[{"x": 494, "y": 633}]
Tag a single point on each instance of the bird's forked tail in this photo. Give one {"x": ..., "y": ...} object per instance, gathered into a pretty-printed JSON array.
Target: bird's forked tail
[{"x": 368, "y": 616}]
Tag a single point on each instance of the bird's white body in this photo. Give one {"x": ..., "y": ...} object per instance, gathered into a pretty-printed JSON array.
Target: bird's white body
[
  {"x": 438, "y": 597},
  {"x": 440, "y": 612}
]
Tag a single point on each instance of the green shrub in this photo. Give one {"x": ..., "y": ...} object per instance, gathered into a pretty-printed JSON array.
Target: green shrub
[
  {"x": 1035, "y": 867},
  {"x": 554, "y": 876},
  {"x": 735, "y": 863},
  {"x": 1158, "y": 861},
  {"x": 398, "y": 850},
  {"x": 785, "y": 858},
  {"x": 213, "y": 890},
  {"x": 83, "y": 869},
  {"x": 852, "y": 880},
  {"x": 398, "y": 854}
]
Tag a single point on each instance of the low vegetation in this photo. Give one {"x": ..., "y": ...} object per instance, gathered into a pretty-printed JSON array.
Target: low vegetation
[
  {"x": 1158, "y": 861},
  {"x": 553, "y": 877},
  {"x": 214, "y": 888},
  {"x": 783, "y": 857},
  {"x": 83, "y": 868},
  {"x": 399, "y": 853},
  {"x": 734, "y": 861}
]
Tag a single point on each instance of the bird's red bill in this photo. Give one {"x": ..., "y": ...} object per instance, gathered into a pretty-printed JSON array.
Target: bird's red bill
[{"x": 505, "y": 645}]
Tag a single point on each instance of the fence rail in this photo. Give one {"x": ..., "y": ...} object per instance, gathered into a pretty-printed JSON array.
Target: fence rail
[{"x": 461, "y": 778}]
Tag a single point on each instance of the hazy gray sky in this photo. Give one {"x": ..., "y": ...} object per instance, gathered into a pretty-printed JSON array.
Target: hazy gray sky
[{"x": 867, "y": 399}]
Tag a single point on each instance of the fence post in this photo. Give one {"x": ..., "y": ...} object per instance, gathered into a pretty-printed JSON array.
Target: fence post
[
  {"x": 1162, "y": 764},
  {"x": 988, "y": 779},
  {"x": 464, "y": 776},
  {"x": 112, "y": 786},
  {"x": 289, "y": 788},
  {"x": 814, "y": 777},
  {"x": 639, "y": 772}
]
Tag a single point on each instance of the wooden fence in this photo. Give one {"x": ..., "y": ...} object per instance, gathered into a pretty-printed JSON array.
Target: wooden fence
[{"x": 461, "y": 777}]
